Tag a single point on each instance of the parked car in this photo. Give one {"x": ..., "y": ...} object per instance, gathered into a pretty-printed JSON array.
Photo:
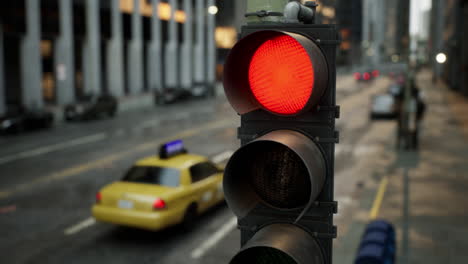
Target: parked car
[
  {"x": 91, "y": 107},
  {"x": 383, "y": 106},
  {"x": 169, "y": 96},
  {"x": 19, "y": 119}
]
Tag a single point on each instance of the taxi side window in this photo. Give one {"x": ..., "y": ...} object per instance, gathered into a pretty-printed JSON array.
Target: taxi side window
[
  {"x": 202, "y": 171},
  {"x": 153, "y": 175}
]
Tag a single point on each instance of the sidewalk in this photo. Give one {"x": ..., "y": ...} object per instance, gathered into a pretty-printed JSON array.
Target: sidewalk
[{"x": 426, "y": 197}]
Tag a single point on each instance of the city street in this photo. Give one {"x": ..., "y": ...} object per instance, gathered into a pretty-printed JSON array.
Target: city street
[
  {"x": 49, "y": 180},
  {"x": 208, "y": 131}
]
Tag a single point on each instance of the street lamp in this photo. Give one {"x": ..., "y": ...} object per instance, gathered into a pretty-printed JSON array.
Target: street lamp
[
  {"x": 213, "y": 10},
  {"x": 441, "y": 58}
]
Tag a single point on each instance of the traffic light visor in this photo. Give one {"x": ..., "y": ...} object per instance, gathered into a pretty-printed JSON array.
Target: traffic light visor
[
  {"x": 282, "y": 72},
  {"x": 282, "y": 169},
  {"x": 280, "y": 243}
]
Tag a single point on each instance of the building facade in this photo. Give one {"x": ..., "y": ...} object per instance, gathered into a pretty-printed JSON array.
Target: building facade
[
  {"x": 385, "y": 31},
  {"x": 449, "y": 35},
  {"x": 54, "y": 51},
  {"x": 348, "y": 16}
]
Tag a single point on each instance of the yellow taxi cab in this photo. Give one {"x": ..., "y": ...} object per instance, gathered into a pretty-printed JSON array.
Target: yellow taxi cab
[{"x": 161, "y": 191}]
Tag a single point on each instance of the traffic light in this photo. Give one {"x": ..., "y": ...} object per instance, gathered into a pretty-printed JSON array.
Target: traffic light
[{"x": 280, "y": 79}]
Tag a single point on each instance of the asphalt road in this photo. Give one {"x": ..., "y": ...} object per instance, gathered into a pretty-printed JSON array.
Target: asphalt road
[{"x": 48, "y": 180}]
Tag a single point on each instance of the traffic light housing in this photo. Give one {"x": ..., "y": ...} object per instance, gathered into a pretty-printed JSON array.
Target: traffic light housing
[{"x": 280, "y": 78}]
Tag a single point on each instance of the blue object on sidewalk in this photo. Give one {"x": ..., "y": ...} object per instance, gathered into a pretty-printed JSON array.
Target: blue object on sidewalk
[
  {"x": 380, "y": 225},
  {"x": 371, "y": 254},
  {"x": 377, "y": 245}
]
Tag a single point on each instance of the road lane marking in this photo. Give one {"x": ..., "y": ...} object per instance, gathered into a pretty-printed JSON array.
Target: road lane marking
[
  {"x": 364, "y": 150},
  {"x": 180, "y": 116},
  {"x": 80, "y": 226},
  {"x": 54, "y": 147},
  {"x": 343, "y": 202},
  {"x": 110, "y": 158},
  {"x": 214, "y": 239},
  {"x": 222, "y": 156},
  {"x": 374, "y": 212},
  {"x": 343, "y": 149},
  {"x": 355, "y": 150},
  {"x": 120, "y": 132}
]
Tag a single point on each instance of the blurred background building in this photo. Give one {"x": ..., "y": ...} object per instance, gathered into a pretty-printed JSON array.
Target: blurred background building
[
  {"x": 449, "y": 35},
  {"x": 55, "y": 51},
  {"x": 385, "y": 31},
  {"x": 372, "y": 32}
]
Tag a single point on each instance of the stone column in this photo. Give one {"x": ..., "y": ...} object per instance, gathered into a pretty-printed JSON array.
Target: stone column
[
  {"x": 438, "y": 7},
  {"x": 2, "y": 76},
  {"x": 381, "y": 25},
  {"x": 64, "y": 55},
  {"x": 135, "y": 52},
  {"x": 211, "y": 47},
  {"x": 92, "y": 49},
  {"x": 31, "y": 67},
  {"x": 154, "y": 59},
  {"x": 171, "y": 51},
  {"x": 115, "y": 64},
  {"x": 199, "y": 63},
  {"x": 186, "y": 57},
  {"x": 374, "y": 28}
]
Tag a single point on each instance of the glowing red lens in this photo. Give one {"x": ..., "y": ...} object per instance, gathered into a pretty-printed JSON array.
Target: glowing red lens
[
  {"x": 375, "y": 73},
  {"x": 366, "y": 76},
  {"x": 98, "y": 197},
  {"x": 281, "y": 75},
  {"x": 357, "y": 76},
  {"x": 159, "y": 204}
]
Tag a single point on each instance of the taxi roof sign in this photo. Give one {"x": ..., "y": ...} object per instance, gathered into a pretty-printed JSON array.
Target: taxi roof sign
[{"x": 171, "y": 149}]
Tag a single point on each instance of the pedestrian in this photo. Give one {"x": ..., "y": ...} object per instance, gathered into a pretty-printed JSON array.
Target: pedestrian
[{"x": 420, "y": 109}]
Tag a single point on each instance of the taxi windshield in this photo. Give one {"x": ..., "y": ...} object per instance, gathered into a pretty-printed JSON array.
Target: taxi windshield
[{"x": 153, "y": 175}]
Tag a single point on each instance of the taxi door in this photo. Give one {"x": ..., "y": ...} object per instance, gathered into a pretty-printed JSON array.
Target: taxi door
[{"x": 205, "y": 184}]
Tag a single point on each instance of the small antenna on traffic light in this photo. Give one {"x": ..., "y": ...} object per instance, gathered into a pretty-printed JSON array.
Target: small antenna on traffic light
[
  {"x": 312, "y": 5},
  {"x": 295, "y": 12}
]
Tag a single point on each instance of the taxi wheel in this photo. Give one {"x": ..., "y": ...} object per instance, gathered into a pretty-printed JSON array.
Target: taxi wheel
[{"x": 189, "y": 217}]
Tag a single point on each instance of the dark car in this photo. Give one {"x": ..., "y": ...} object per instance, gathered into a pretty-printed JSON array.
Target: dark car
[
  {"x": 19, "y": 119},
  {"x": 91, "y": 107},
  {"x": 395, "y": 89},
  {"x": 169, "y": 96}
]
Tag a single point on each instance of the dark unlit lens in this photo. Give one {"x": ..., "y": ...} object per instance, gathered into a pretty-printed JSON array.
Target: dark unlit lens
[
  {"x": 278, "y": 175},
  {"x": 262, "y": 255}
]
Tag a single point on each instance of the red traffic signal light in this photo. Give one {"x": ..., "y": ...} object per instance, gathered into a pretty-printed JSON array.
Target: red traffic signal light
[
  {"x": 285, "y": 86},
  {"x": 281, "y": 72}
]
